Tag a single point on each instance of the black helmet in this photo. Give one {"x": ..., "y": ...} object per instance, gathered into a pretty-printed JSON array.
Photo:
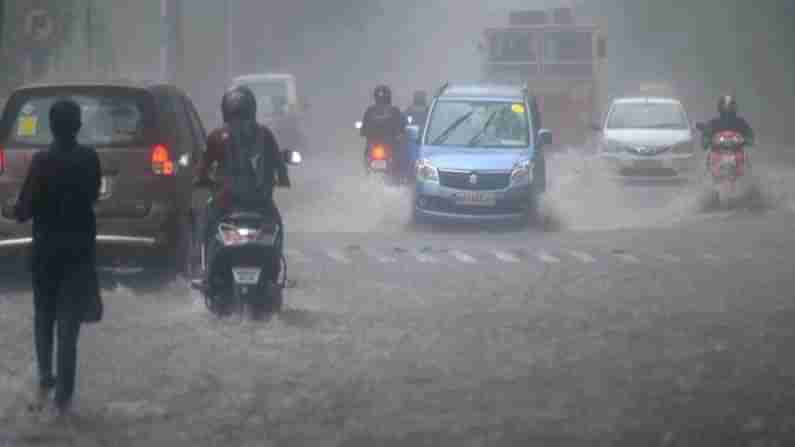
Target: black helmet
[
  {"x": 383, "y": 95},
  {"x": 65, "y": 119},
  {"x": 727, "y": 105},
  {"x": 420, "y": 98},
  {"x": 239, "y": 103}
]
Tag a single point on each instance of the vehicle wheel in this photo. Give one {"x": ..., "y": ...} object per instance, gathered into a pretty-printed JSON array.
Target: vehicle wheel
[
  {"x": 532, "y": 217},
  {"x": 755, "y": 200},
  {"x": 182, "y": 253},
  {"x": 277, "y": 298},
  {"x": 416, "y": 218},
  {"x": 710, "y": 200}
]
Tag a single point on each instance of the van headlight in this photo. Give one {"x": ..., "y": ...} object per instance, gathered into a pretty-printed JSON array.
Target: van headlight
[
  {"x": 426, "y": 172},
  {"x": 522, "y": 171}
]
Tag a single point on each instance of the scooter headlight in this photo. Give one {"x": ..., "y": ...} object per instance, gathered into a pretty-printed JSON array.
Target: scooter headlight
[{"x": 426, "y": 172}]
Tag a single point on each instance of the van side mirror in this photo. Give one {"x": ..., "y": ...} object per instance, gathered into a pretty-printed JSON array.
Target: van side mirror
[
  {"x": 413, "y": 132},
  {"x": 545, "y": 137},
  {"x": 596, "y": 127},
  {"x": 701, "y": 126}
]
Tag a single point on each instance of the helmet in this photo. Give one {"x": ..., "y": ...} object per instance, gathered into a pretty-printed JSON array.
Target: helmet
[
  {"x": 727, "y": 105},
  {"x": 383, "y": 95},
  {"x": 65, "y": 118},
  {"x": 420, "y": 98},
  {"x": 239, "y": 103}
]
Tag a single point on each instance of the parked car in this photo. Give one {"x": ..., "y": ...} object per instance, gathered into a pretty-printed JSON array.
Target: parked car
[
  {"x": 279, "y": 107},
  {"x": 648, "y": 138},
  {"x": 480, "y": 155},
  {"x": 147, "y": 136}
]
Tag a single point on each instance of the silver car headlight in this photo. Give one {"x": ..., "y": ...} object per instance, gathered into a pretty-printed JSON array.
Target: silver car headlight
[
  {"x": 426, "y": 172},
  {"x": 522, "y": 171},
  {"x": 614, "y": 147}
]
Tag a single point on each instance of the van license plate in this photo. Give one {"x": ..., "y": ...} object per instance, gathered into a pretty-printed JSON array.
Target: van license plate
[
  {"x": 476, "y": 198},
  {"x": 246, "y": 276}
]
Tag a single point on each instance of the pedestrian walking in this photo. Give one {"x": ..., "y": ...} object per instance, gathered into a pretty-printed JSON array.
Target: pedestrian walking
[{"x": 59, "y": 193}]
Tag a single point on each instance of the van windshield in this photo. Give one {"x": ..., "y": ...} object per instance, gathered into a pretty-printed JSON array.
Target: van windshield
[{"x": 272, "y": 96}]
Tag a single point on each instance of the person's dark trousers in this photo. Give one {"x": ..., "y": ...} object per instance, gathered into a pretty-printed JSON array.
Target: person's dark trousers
[{"x": 55, "y": 309}]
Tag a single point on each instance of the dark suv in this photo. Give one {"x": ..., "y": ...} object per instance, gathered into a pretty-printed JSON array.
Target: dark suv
[{"x": 147, "y": 137}]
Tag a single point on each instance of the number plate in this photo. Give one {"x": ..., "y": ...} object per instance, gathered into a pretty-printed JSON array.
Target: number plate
[
  {"x": 648, "y": 164},
  {"x": 104, "y": 188},
  {"x": 246, "y": 276},
  {"x": 476, "y": 198},
  {"x": 378, "y": 164}
]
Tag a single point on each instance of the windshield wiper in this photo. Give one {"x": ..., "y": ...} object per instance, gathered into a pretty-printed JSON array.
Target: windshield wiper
[
  {"x": 443, "y": 136},
  {"x": 482, "y": 131}
]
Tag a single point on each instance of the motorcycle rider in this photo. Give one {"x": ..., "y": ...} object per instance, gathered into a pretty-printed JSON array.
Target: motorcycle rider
[
  {"x": 249, "y": 163},
  {"x": 418, "y": 110},
  {"x": 384, "y": 123},
  {"x": 727, "y": 120}
]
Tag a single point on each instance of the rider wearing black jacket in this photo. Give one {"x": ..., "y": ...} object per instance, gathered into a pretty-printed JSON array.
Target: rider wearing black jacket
[
  {"x": 383, "y": 122},
  {"x": 727, "y": 120},
  {"x": 249, "y": 161}
]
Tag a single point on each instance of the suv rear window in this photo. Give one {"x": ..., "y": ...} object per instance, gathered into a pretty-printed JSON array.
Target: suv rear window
[{"x": 112, "y": 117}]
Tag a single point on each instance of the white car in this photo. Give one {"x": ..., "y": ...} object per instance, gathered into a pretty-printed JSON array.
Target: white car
[{"x": 648, "y": 138}]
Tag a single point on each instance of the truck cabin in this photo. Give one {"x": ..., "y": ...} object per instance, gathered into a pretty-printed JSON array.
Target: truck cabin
[{"x": 545, "y": 51}]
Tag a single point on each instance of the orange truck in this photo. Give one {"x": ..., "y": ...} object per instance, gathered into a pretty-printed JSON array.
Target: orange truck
[{"x": 561, "y": 62}]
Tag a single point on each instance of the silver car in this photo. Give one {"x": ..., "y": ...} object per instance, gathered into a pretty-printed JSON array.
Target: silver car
[{"x": 648, "y": 139}]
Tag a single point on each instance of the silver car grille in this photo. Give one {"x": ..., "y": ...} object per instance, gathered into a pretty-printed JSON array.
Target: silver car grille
[{"x": 647, "y": 151}]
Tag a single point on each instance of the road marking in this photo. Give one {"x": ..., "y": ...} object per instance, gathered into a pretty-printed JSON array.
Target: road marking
[
  {"x": 296, "y": 255},
  {"x": 628, "y": 258},
  {"x": 547, "y": 258},
  {"x": 463, "y": 257},
  {"x": 383, "y": 259},
  {"x": 582, "y": 256},
  {"x": 507, "y": 257},
  {"x": 425, "y": 258},
  {"x": 670, "y": 258},
  {"x": 338, "y": 256}
]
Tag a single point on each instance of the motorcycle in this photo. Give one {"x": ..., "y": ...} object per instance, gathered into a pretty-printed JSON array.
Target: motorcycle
[
  {"x": 381, "y": 162},
  {"x": 247, "y": 251},
  {"x": 729, "y": 168}
]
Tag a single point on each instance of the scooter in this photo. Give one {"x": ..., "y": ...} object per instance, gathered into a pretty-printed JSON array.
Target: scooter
[
  {"x": 729, "y": 167},
  {"x": 380, "y": 162},
  {"x": 247, "y": 269}
]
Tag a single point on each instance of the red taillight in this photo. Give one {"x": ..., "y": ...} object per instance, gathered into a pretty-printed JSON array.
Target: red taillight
[
  {"x": 161, "y": 161},
  {"x": 2, "y": 160},
  {"x": 379, "y": 153}
]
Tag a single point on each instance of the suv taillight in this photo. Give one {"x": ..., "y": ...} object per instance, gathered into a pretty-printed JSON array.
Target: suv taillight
[{"x": 161, "y": 161}]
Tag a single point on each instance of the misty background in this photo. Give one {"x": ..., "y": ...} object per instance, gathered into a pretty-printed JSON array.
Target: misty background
[{"x": 340, "y": 50}]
